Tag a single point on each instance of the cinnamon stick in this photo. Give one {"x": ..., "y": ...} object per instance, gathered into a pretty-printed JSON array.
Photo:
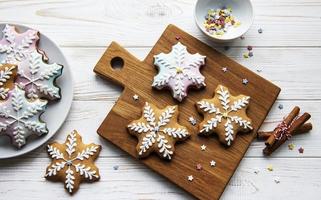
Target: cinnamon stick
[
  {"x": 268, "y": 150},
  {"x": 305, "y": 128},
  {"x": 276, "y": 133}
]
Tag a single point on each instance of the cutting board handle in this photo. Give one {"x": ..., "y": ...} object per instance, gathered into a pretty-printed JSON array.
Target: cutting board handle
[{"x": 115, "y": 64}]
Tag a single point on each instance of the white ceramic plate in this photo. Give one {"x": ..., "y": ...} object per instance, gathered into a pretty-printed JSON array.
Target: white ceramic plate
[
  {"x": 56, "y": 112},
  {"x": 242, "y": 10}
]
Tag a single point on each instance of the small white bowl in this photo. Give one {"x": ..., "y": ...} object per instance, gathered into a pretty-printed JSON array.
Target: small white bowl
[{"x": 242, "y": 10}]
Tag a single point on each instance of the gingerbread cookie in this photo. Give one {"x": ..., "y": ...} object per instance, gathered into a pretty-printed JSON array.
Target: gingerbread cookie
[
  {"x": 225, "y": 115},
  {"x": 20, "y": 117},
  {"x": 157, "y": 131},
  {"x": 14, "y": 46},
  {"x": 178, "y": 71},
  {"x": 8, "y": 73},
  {"x": 73, "y": 162},
  {"x": 38, "y": 78}
]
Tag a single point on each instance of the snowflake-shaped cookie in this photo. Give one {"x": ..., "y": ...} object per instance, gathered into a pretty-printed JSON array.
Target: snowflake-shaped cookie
[
  {"x": 225, "y": 115},
  {"x": 73, "y": 162},
  {"x": 8, "y": 73},
  {"x": 157, "y": 131},
  {"x": 20, "y": 117},
  {"x": 38, "y": 78},
  {"x": 178, "y": 71},
  {"x": 15, "y": 47}
]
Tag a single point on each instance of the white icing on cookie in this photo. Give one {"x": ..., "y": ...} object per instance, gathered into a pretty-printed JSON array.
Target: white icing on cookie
[
  {"x": 20, "y": 117},
  {"x": 38, "y": 78},
  {"x": 179, "y": 70},
  {"x": 14, "y": 47}
]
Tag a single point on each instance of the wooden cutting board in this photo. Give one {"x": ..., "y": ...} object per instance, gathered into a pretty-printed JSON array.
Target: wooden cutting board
[{"x": 136, "y": 78}]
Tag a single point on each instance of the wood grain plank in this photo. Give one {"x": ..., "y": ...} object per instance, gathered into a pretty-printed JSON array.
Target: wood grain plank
[
  {"x": 140, "y": 22},
  {"x": 23, "y": 179}
]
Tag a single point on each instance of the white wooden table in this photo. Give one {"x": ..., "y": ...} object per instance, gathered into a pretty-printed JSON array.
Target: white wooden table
[{"x": 288, "y": 53}]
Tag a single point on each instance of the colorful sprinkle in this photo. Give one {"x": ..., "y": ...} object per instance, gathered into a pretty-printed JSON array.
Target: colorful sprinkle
[
  {"x": 224, "y": 69},
  {"x": 203, "y": 147},
  {"x": 199, "y": 167},
  {"x": 178, "y": 37},
  {"x": 245, "y": 81},
  {"x": 291, "y": 146},
  {"x": 270, "y": 168},
  {"x": 213, "y": 163},
  {"x": 135, "y": 97},
  {"x": 246, "y": 55},
  {"x": 190, "y": 178},
  {"x": 219, "y": 21},
  {"x": 192, "y": 120},
  {"x": 250, "y": 54},
  {"x": 260, "y": 30},
  {"x": 280, "y": 106},
  {"x": 249, "y": 48},
  {"x": 301, "y": 150}
]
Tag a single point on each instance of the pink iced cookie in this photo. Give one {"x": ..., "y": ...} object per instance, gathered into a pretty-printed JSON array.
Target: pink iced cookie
[
  {"x": 178, "y": 71},
  {"x": 20, "y": 117},
  {"x": 38, "y": 77},
  {"x": 14, "y": 46}
]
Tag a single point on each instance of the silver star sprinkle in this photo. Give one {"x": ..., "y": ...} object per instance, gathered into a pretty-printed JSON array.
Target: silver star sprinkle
[
  {"x": 135, "y": 97},
  {"x": 245, "y": 81},
  {"x": 224, "y": 69},
  {"x": 192, "y": 120},
  {"x": 203, "y": 147},
  {"x": 190, "y": 178},
  {"x": 213, "y": 163}
]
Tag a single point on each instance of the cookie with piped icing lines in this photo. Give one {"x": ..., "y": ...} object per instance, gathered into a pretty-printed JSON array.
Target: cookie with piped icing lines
[
  {"x": 224, "y": 115},
  {"x": 8, "y": 74},
  {"x": 157, "y": 131},
  {"x": 20, "y": 117},
  {"x": 38, "y": 78},
  {"x": 14, "y": 46},
  {"x": 179, "y": 70}
]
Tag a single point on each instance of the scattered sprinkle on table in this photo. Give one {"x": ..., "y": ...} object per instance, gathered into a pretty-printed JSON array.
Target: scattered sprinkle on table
[
  {"x": 213, "y": 163},
  {"x": 242, "y": 37},
  {"x": 301, "y": 150},
  {"x": 199, "y": 166},
  {"x": 219, "y": 21},
  {"x": 280, "y": 106},
  {"x": 291, "y": 146},
  {"x": 190, "y": 178},
  {"x": 276, "y": 179},
  {"x": 260, "y": 30},
  {"x": 250, "y": 54},
  {"x": 246, "y": 55},
  {"x": 270, "y": 168},
  {"x": 192, "y": 120},
  {"x": 245, "y": 81},
  {"x": 203, "y": 147},
  {"x": 259, "y": 70},
  {"x": 135, "y": 97},
  {"x": 224, "y": 69},
  {"x": 256, "y": 171},
  {"x": 116, "y": 167},
  {"x": 249, "y": 48}
]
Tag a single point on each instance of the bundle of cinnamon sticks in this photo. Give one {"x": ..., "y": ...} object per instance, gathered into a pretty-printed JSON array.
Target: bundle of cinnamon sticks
[{"x": 291, "y": 125}]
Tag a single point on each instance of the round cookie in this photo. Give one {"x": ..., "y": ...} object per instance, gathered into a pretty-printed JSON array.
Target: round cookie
[
  {"x": 20, "y": 117},
  {"x": 178, "y": 71},
  {"x": 8, "y": 74},
  {"x": 157, "y": 131},
  {"x": 73, "y": 162},
  {"x": 225, "y": 115}
]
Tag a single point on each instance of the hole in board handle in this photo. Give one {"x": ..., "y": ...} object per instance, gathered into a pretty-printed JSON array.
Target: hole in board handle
[{"x": 117, "y": 63}]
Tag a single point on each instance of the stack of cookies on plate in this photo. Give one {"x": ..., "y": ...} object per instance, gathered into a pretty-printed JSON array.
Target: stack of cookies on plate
[{"x": 27, "y": 85}]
